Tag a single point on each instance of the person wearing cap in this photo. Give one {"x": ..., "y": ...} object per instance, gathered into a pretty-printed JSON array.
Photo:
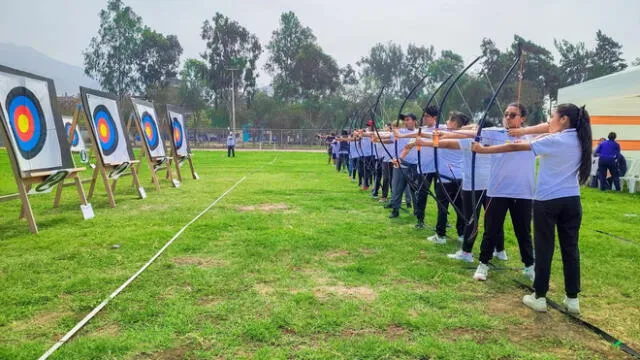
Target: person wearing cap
[
  {"x": 403, "y": 173},
  {"x": 231, "y": 145},
  {"x": 426, "y": 170}
]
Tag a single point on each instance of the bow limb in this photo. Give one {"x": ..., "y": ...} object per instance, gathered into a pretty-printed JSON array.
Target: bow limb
[
  {"x": 483, "y": 119},
  {"x": 436, "y": 136}
]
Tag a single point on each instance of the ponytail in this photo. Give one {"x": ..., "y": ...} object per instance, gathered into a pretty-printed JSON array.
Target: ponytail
[{"x": 580, "y": 120}]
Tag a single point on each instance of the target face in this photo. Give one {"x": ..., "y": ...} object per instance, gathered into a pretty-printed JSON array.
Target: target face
[
  {"x": 150, "y": 130},
  {"x": 149, "y": 127},
  {"x": 106, "y": 128},
  {"x": 178, "y": 133},
  {"x": 31, "y": 123},
  {"x": 27, "y": 121},
  {"x": 76, "y": 139}
]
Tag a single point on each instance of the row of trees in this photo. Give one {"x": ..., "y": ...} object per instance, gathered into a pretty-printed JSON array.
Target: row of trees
[{"x": 309, "y": 88}]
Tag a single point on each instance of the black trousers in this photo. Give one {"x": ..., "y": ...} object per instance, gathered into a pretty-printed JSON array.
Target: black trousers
[
  {"x": 471, "y": 226},
  {"x": 565, "y": 214},
  {"x": 609, "y": 164},
  {"x": 354, "y": 167},
  {"x": 377, "y": 176},
  {"x": 452, "y": 190},
  {"x": 343, "y": 160},
  {"x": 387, "y": 172},
  {"x": 364, "y": 170},
  {"x": 422, "y": 193},
  {"x": 520, "y": 211},
  {"x": 231, "y": 149}
]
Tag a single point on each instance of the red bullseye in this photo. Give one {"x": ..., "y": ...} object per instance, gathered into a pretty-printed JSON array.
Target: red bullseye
[{"x": 24, "y": 123}]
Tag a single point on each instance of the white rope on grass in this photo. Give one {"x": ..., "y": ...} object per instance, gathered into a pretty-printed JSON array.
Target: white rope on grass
[{"x": 104, "y": 303}]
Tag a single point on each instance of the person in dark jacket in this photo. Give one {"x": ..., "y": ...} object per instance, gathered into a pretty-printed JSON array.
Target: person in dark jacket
[{"x": 608, "y": 154}]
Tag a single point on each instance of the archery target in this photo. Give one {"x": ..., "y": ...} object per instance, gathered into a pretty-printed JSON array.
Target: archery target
[
  {"x": 77, "y": 144},
  {"x": 150, "y": 129},
  {"x": 107, "y": 129},
  {"x": 30, "y": 122},
  {"x": 178, "y": 133}
]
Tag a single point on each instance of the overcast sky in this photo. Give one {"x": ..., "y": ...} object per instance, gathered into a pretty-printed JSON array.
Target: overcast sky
[{"x": 345, "y": 29}]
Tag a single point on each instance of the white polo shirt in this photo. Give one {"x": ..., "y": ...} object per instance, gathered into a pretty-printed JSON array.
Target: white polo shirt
[
  {"x": 512, "y": 174},
  {"x": 353, "y": 151},
  {"x": 560, "y": 155},
  {"x": 482, "y": 168},
  {"x": 449, "y": 165}
]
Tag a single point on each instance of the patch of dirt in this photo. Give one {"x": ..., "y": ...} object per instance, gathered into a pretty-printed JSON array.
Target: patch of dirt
[
  {"x": 42, "y": 320},
  {"x": 203, "y": 262},
  {"x": 361, "y": 293},
  {"x": 264, "y": 289},
  {"x": 336, "y": 254},
  {"x": 532, "y": 327},
  {"x": 168, "y": 354},
  {"x": 477, "y": 335},
  {"x": 107, "y": 330},
  {"x": 264, "y": 207},
  {"x": 391, "y": 332},
  {"x": 365, "y": 251},
  {"x": 209, "y": 301}
]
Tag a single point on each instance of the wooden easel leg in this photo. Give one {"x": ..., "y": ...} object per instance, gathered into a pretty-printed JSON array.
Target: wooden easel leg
[
  {"x": 94, "y": 179},
  {"x": 136, "y": 181},
  {"x": 178, "y": 173},
  {"x": 113, "y": 185},
  {"x": 56, "y": 200},
  {"x": 26, "y": 207},
  {"x": 193, "y": 171},
  {"x": 105, "y": 179},
  {"x": 78, "y": 181},
  {"x": 170, "y": 176},
  {"x": 154, "y": 179}
]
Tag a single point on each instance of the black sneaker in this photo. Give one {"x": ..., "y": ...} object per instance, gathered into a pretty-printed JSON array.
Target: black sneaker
[
  {"x": 420, "y": 225},
  {"x": 408, "y": 205},
  {"x": 394, "y": 214}
]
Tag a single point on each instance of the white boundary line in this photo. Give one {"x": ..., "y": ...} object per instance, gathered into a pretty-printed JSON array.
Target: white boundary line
[{"x": 104, "y": 303}]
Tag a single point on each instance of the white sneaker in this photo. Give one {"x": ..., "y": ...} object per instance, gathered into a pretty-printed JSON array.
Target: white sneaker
[
  {"x": 573, "y": 305},
  {"x": 481, "y": 272},
  {"x": 500, "y": 255},
  {"x": 437, "y": 239},
  {"x": 461, "y": 255},
  {"x": 530, "y": 273},
  {"x": 539, "y": 304},
  {"x": 461, "y": 239}
]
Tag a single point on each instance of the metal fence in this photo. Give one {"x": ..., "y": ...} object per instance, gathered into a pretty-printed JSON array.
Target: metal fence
[
  {"x": 267, "y": 139},
  {"x": 252, "y": 138}
]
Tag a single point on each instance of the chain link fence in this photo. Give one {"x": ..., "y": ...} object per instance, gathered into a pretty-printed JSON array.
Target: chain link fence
[
  {"x": 261, "y": 139},
  {"x": 267, "y": 139}
]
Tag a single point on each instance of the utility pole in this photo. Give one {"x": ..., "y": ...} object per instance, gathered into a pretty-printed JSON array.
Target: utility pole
[{"x": 233, "y": 99}]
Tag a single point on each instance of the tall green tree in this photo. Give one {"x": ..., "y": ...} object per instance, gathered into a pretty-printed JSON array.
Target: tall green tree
[
  {"x": 158, "y": 60},
  {"x": 315, "y": 73},
  {"x": 194, "y": 91},
  {"x": 230, "y": 45},
  {"x": 606, "y": 58},
  {"x": 286, "y": 43},
  {"x": 384, "y": 65},
  {"x": 112, "y": 55},
  {"x": 574, "y": 61}
]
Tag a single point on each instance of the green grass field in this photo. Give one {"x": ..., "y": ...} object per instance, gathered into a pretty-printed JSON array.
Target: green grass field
[{"x": 296, "y": 262}]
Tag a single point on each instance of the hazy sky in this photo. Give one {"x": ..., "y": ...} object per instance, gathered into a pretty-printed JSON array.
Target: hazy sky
[{"x": 345, "y": 29}]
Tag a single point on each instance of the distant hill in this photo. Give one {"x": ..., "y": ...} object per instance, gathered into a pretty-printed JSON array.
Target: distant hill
[{"x": 67, "y": 78}]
